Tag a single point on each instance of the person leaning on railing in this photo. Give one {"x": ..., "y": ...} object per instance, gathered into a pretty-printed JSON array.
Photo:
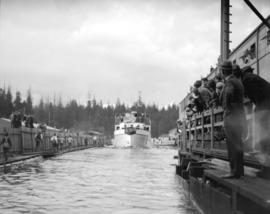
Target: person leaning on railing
[
  {"x": 202, "y": 94},
  {"x": 214, "y": 97},
  {"x": 257, "y": 90}
]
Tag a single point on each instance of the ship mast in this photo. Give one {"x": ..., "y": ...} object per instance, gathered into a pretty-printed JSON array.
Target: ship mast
[{"x": 140, "y": 99}]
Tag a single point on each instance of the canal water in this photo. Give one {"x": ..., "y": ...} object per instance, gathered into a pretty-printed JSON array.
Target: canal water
[{"x": 101, "y": 180}]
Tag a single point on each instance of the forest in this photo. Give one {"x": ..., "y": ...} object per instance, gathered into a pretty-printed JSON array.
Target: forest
[{"x": 94, "y": 115}]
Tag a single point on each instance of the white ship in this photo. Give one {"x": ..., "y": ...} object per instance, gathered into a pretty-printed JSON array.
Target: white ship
[{"x": 132, "y": 130}]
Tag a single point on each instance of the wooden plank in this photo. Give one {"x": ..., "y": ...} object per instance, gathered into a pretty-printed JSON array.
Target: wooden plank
[
  {"x": 225, "y": 166},
  {"x": 219, "y": 123},
  {"x": 256, "y": 189}
]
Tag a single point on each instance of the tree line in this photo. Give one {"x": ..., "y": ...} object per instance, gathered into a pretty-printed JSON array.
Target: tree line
[{"x": 92, "y": 116}]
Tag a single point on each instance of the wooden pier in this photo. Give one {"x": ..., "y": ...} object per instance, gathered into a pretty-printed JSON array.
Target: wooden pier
[
  {"x": 24, "y": 146},
  {"x": 203, "y": 182}
]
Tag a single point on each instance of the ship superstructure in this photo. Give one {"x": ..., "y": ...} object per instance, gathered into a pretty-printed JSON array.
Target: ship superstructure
[{"x": 132, "y": 130}]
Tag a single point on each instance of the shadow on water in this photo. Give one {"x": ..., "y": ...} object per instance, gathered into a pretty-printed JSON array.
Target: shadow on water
[{"x": 107, "y": 180}]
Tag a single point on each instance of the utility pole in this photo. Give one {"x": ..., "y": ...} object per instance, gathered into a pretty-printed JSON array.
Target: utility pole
[{"x": 225, "y": 30}]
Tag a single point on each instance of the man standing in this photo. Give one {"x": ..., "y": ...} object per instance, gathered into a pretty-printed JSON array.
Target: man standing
[
  {"x": 38, "y": 139},
  {"x": 54, "y": 141},
  {"x": 6, "y": 142},
  {"x": 234, "y": 120},
  {"x": 257, "y": 90}
]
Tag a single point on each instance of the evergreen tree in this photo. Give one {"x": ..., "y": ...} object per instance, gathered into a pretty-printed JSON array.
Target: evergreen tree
[
  {"x": 9, "y": 104},
  {"x": 29, "y": 103},
  {"x": 18, "y": 102},
  {"x": 39, "y": 111},
  {"x": 2, "y": 102}
]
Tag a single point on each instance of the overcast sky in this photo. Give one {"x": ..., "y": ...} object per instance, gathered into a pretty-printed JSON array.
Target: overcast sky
[{"x": 114, "y": 48}]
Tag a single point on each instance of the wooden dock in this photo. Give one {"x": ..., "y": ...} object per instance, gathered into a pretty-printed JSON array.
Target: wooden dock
[
  {"x": 254, "y": 190},
  {"x": 213, "y": 194}
]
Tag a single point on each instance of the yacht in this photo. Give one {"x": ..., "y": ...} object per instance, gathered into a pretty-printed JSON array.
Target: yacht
[{"x": 132, "y": 130}]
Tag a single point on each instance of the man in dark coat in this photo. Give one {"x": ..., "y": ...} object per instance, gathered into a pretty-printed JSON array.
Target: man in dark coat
[
  {"x": 234, "y": 120},
  {"x": 257, "y": 90}
]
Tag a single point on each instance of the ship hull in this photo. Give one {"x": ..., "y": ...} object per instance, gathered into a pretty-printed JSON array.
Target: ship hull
[{"x": 131, "y": 140}]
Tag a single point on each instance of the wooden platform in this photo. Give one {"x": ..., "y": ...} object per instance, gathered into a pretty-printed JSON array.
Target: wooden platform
[
  {"x": 255, "y": 189},
  {"x": 222, "y": 154},
  {"x": 18, "y": 158}
]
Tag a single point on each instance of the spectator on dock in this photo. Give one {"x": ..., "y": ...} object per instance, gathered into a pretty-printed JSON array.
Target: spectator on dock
[
  {"x": 202, "y": 93},
  {"x": 219, "y": 89},
  {"x": 16, "y": 120},
  {"x": 69, "y": 140},
  {"x": 257, "y": 90},
  {"x": 234, "y": 120},
  {"x": 212, "y": 86},
  {"x": 6, "y": 142},
  {"x": 189, "y": 111},
  {"x": 86, "y": 141},
  {"x": 54, "y": 142},
  {"x": 61, "y": 141},
  {"x": 236, "y": 70},
  {"x": 205, "y": 82},
  {"x": 29, "y": 122},
  {"x": 38, "y": 140},
  {"x": 218, "y": 78},
  {"x": 214, "y": 96}
]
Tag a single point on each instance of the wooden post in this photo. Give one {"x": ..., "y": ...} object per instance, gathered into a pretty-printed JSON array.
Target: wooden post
[
  {"x": 203, "y": 146},
  {"x": 202, "y": 124},
  {"x": 22, "y": 140},
  {"x": 190, "y": 146},
  {"x": 32, "y": 142},
  {"x": 184, "y": 135},
  {"x": 212, "y": 128}
]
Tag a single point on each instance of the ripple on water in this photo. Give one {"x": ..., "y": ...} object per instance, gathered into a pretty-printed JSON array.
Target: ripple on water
[{"x": 96, "y": 181}]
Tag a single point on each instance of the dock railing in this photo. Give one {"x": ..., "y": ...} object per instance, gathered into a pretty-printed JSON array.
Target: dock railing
[
  {"x": 24, "y": 142},
  {"x": 203, "y": 134}
]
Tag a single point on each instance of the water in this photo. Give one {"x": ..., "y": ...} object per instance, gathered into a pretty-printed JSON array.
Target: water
[{"x": 103, "y": 180}]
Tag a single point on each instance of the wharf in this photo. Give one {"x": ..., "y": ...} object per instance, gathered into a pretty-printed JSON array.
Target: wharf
[
  {"x": 15, "y": 160},
  {"x": 211, "y": 193},
  {"x": 51, "y": 153},
  {"x": 252, "y": 188},
  {"x": 18, "y": 158}
]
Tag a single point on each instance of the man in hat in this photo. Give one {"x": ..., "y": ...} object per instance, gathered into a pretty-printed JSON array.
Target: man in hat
[
  {"x": 234, "y": 120},
  {"x": 257, "y": 90},
  {"x": 236, "y": 71}
]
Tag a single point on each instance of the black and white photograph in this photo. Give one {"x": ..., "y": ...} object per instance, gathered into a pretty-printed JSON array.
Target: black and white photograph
[{"x": 135, "y": 106}]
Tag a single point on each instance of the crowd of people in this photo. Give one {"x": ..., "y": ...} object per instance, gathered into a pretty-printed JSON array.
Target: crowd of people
[
  {"x": 205, "y": 94},
  {"x": 57, "y": 143},
  {"x": 228, "y": 90},
  {"x": 17, "y": 120}
]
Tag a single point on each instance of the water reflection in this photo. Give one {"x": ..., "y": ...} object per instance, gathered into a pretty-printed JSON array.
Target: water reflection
[{"x": 96, "y": 181}]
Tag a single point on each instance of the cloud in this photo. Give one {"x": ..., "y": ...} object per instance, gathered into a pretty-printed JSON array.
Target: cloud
[{"x": 114, "y": 48}]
